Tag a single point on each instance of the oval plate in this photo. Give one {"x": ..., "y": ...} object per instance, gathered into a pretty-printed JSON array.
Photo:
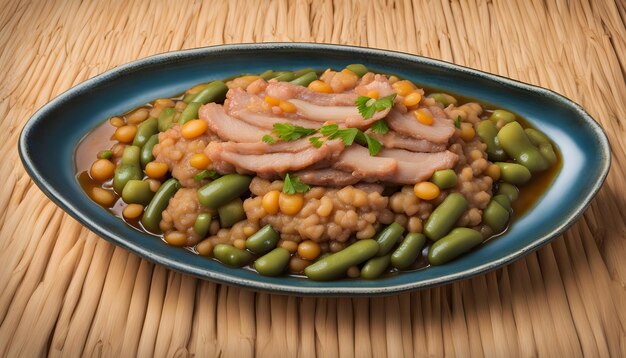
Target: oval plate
[{"x": 48, "y": 141}]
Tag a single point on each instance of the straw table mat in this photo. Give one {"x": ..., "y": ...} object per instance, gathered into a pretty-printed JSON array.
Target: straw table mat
[{"x": 66, "y": 292}]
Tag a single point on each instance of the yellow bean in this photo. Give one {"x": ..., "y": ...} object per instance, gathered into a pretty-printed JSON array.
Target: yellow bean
[
  {"x": 132, "y": 211},
  {"x": 403, "y": 88},
  {"x": 372, "y": 94},
  {"x": 125, "y": 134},
  {"x": 103, "y": 197},
  {"x": 426, "y": 190},
  {"x": 467, "y": 132},
  {"x": 493, "y": 171},
  {"x": 320, "y": 87},
  {"x": 412, "y": 99},
  {"x": 204, "y": 247},
  {"x": 176, "y": 238},
  {"x": 199, "y": 161},
  {"x": 194, "y": 128},
  {"x": 116, "y": 122},
  {"x": 102, "y": 170},
  {"x": 137, "y": 116},
  {"x": 270, "y": 202},
  {"x": 287, "y": 107},
  {"x": 290, "y": 204},
  {"x": 423, "y": 117},
  {"x": 164, "y": 103},
  {"x": 156, "y": 170},
  {"x": 272, "y": 101},
  {"x": 309, "y": 250}
]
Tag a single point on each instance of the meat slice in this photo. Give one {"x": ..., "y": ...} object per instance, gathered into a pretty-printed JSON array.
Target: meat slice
[
  {"x": 405, "y": 123},
  {"x": 347, "y": 115},
  {"x": 378, "y": 83},
  {"x": 265, "y": 148},
  {"x": 395, "y": 140},
  {"x": 357, "y": 160},
  {"x": 226, "y": 157},
  {"x": 288, "y": 91},
  {"x": 327, "y": 177},
  {"x": 228, "y": 128},
  {"x": 416, "y": 167}
]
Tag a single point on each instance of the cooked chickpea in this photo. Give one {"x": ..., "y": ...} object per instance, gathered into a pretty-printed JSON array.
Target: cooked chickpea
[
  {"x": 309, "y": 250},
  {"x": 325, "y": 208},
  {"x": 426, "y": 190},
  {"x": 194, "y": 128},
  {"x": 287, "y": 107},
  {"x": 467, "y": 132},
  {"x": 176, "y": 238},
  {"x": 493, "y": 171},
  {"x": 103, "y": 197},
  {"x": 180, "y": 106},
  {"x": 155, "y": 111},
  {"x": 403, "y": 88},
  {"x": 132, "y": 211},
  {"x": 154, "y": 185},
  {"x": 137, "y": 116},
  {"x": 476, "y": 154},
  {"x": 336, "y": 246},
  {"x": 156, "y": 170},
  {"x": 270, "y": 202},
  {"x": 414, "y": 224},
  {"x": 320, "y": 87},
  {"x": 118, "y": 150},
  {"x": 290, "y": 204},
  {"x": 199, "y": 161},
  {"x": 240, "y": 244},
  {"x": 288, "y": 245},
  {"x": 102, "y": 170},
  {"x": 125, "y": 134},
  {"x": 248, "y": 230},
  {"x": 204, "y": 247},
  {"x": 116, "y": 122},
  {"x": 164, "y": 103},
  {"x": 412, "y": 99},
  {"x": 297, "y": 264}
]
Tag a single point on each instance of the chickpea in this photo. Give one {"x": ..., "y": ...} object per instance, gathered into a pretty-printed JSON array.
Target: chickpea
[
  {"x": 426, "y": 190},
  {"x": 125, "y": 134},
  {"x": 138, "y": 116},
  {"x": 103, "y": 197},
  {"x": 270, "y": 202},
  {"x": 309, "y": 250},
  {"x": 199, "y": 161},
  {"x": 194, "y": 128},
  {"x": 102, "y": 170},
  {"x": 132, "y": 211},
  {"x": 176, "y": 238},
  {"x": 204, "y": 247},
  {"x": 156, "y": 170},
  {"x": 116, "y": 122},
  {"x": 290, "y": 204}
]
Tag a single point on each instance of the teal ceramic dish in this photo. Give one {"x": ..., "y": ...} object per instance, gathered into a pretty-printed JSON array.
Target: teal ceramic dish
[{"x": 48, "y": 141}]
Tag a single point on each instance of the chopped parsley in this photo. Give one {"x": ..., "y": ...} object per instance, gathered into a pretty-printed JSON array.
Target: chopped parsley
[
  {"x": 293, "y": 185},
  {"x": 289, "y": 132},
  {"x": 457, "y": 122},
  {"x": 268, "y": 139},
  {"x": 316, "y": 141},
  {"x": 368, "y": 106},
  {"x": 206, "y": 174},
  {"x": 380, "y": 127}
]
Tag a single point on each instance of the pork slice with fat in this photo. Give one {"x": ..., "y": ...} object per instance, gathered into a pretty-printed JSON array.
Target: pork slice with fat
[
  {"x": 416, "y": 167},
  {"x": 438, "y": 132}
]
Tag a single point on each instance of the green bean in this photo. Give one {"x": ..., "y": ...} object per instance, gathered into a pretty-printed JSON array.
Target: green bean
[
  {"x": 302, "y": 72},
  {"x": 305, "y": 79},
  {"x": 154, "y": 211},
  {"x": 442, "y": 219},
  {"x": 105, "y": 154},
  {"x": 190, "y": 112},
  {"x": 263, "y": 240},
  {"x": 509, "y": 190},
  {"x": 166, "y": 119},
  {"x": 273, "y": 263},
  {"x": 231, "y": 213},
  {"x": 285, "y": 76},
  {"x": 267, "y": 75},
  {"x": 444, "y": 179},
  {"x": 137, "y": 192},
  {"x": 543, "y": 143},
  {"x": 358, "y": 69},
  {"x": 213, "y": 92},
  {"x": 146, "y": 150},
  {"x": 387, "y": 238},
  {"x": 202, "y": 224},
  {"x": 188, "y": 97},
  {"x": 375, "y": 267},
  {"x": 503, "y": 200},
  {"x": 231, "y": 255},
  {"x": 456, "y": 243},
  {"x": 516, "y": 144},
  {"x": 336, "y": 265},
  {"x": 443, "y": 98},
  {"x": 501, "y": 115},
  {"x": 496, "y": 216},
  {"x": 408, "y": 251},
  {"x": 228, "y": 79},
  {"x": 514, "y": 173},
  {"x": 222, "y": 190},
  {"x": 145, "y": 130},
  {"x": 128, "y": 170},
  {"x": 488, "y": 132},
  {"x": 206, "y": 174}
]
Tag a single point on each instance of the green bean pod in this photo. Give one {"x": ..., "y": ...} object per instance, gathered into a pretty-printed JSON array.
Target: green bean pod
[
  {"x": 146, "y": 150},
  {"x": 503, "y": 200},
  {"x": 267, "y": 75},
  {"x": 443, "y": 98},
  {"x": 516, "y": 144},
  {"x": 375, "y": 267},
  {"x": 501, "y": 115},
  {"x": 456, "y": 243},
  {"x": 408, "y": 251},
  {"x": 128, "y": 170},
  {"x": 488, "y": 133},
  {"x": 190, "y": 112},
  {"x": 442, "y": 219},
  {"x": 509, "y": 190},
  {"x": 543, "y": 143},
  {"x": 166, "y": 119},
  {"x": 231, "y": 213},
  {"x": 263, "y": 241},
  {"x": 388, "y": 238},
  {"x": 231, "y": 256},
  {"x": 105, "y": 154},
  {"x": 137, "y": 192},
  {"x": 305, "y": 79},
  {"x": 496, "y": 216},
  {"x": 202, "y": 224},
  {"x": 444, "y": 179},
  {"x": 222, "y": 190},
  {"x": 273, "y": 263},
  {"x": 154, "y": 211},
  {"x": 145, "y": 130},
  {"x": 302, "y": 72},
  {"x": 514, "y": 173},
  {"x": 336, "y": 265},
  {"x": 358, "y": 69},
  {"x": 213, "y": 92},
  {"x": 284, "y": 76}
]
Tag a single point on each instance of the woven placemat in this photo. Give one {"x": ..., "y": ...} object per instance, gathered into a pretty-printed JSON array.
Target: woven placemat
[{"x": 66, "y": 292}]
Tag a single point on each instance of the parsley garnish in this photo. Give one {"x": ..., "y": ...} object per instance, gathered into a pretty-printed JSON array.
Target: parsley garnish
[
  {"x": 268, "y": 139},
  {"x": 206, "y": 174},
  {"x": 316, "y": 141},
  {"x": 457, "y": 122},
  {"x": 293, "y": 185},
  {"x": 289, "y": 132},
  {"x": 380, "y": 127},
  {"x": 373, "y": 145},
  {"x": 368, "y": 106}
]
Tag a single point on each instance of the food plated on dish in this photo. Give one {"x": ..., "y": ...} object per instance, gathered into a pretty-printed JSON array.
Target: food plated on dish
[{"x": 400, "y": 173}]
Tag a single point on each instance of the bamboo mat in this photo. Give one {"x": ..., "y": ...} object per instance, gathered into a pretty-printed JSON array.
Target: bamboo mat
[{"x": 65, "y": 292}]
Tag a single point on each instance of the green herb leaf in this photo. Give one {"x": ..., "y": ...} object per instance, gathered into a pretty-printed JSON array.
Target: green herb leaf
[
  {"x": 368, "y": 106},
  {"x": 457, "y": 122},
  {"x": 329, "y": 129},
  {"x": 380, "y": 127},
  {"x": 105, "y": 154},
  {"x": 293, "y": 185},
  {"x": 268, "y": 139},
  {"x": 206, "y": 174},
  {"x": 289, "y": 132},
  {"x": 373, "y": 145},
  {"x": 316, "y": 141}
]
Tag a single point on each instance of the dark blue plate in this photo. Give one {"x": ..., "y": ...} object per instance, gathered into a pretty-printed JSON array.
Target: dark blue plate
[{"x": 48, "y": 141}]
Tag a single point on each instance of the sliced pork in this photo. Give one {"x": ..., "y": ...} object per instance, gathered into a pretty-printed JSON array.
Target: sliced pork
[
  {"x": 394, "y": 140},
  {"x": 327, "y": 177},
  {"x": 228, "y": 128},
  {"x": 438, "y": 132},
  {"x": 357, "y": 160},
  {"x": 416, "y": 167},
  {"x": 287, "y": 91}
]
